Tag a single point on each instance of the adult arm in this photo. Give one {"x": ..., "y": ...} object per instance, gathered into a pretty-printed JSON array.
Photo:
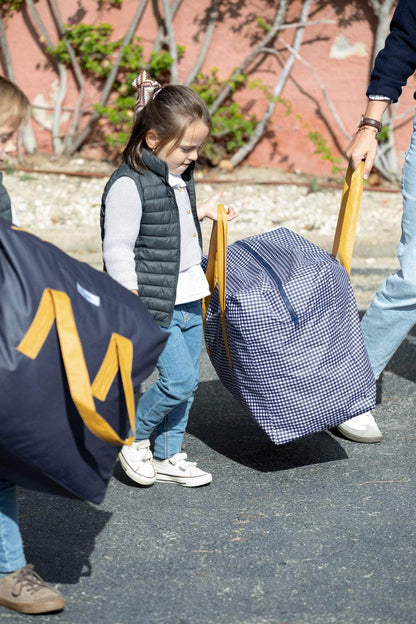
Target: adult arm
[
  {"x": 397, "y": 60},
  {"x": 392, "y": 68}
]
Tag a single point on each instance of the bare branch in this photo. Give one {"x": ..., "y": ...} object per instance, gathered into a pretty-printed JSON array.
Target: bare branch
[
  {"x": 79, "y": 140},
  {"x": 380, "y": 165},
  {"x": 382, "y": 11},
  {"x": 277, "y": 23},
  {"x": 376, "y": 6},
  {"x": 56, "y": 118},
  {"x": 321, "y": 84},
  {"x": 172, "y": 43},
  {"x": 28, "y": 137},
  {"x": 243, "y": 152},
  {"x": 49, "y": 107},
  {"x": 5, "y": 51},
  {"x": 161, "y": 36},
  {"x": 213, "y": 16},
  {"x": 308, "y": 23},
  {"x": 386, "y": 156},
  {"x": 76, "y": 117}
]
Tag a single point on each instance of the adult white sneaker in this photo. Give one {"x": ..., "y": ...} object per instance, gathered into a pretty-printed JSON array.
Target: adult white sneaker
[
  {"x": 362, "y": 428},
  {"x": 137, "y": 462},
  {"x": 177, "y": 469}
]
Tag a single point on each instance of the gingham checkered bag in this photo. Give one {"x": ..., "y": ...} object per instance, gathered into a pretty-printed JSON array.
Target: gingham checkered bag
[{"x": 296, "y": 357}]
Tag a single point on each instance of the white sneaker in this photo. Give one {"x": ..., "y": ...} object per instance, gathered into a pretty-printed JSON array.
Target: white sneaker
[
  {"x": 176, "y": 469},
  {"x": 362, "y": 428},
  {"x": 137, "y": 462}
]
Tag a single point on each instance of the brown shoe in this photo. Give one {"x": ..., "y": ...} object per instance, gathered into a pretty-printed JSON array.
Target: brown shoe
[{"x": 24, "y": 591}]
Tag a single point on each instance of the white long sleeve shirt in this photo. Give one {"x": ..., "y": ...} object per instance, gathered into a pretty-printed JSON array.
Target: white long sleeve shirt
[{"x": 123, "y": 213}]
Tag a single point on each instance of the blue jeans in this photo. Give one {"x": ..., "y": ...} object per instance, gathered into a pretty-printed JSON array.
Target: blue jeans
[
  {"x": 164, "y": 408},
  {"x": 11, "y": 546},
  {"x": 392, "y": 313}
]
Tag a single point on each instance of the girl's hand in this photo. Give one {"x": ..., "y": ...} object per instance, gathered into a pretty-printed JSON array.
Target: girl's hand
[{"x": 209, "y": 209}]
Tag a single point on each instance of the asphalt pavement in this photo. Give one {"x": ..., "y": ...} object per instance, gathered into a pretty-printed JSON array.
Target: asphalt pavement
[{"x": 318, "y": 531}]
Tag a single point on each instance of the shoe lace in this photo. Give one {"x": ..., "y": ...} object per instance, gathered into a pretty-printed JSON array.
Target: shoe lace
[{"x": 27, "y": 577}]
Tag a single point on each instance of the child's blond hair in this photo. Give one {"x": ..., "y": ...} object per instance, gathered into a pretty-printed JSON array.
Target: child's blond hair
[{"x": 14, "y": 105}]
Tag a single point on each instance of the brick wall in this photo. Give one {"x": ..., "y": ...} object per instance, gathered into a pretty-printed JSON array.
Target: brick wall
[{"x": 335, "y": 55}]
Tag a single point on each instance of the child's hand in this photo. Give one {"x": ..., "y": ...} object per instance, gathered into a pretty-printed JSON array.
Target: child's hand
[{"x": 209, "y": 209}]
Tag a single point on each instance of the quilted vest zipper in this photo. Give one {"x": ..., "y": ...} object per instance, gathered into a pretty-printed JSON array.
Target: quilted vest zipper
[{"x": 274, "y": 276}]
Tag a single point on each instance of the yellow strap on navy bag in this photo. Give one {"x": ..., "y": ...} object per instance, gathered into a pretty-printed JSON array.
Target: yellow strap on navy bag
[
  {"x": 216, "y": 270},
  {"x": 56, "y": 305},
  {"x": 348, "y": 215}
]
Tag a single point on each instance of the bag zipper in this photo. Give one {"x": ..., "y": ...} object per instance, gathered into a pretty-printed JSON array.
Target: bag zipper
[{"x": 274, "y": 276}]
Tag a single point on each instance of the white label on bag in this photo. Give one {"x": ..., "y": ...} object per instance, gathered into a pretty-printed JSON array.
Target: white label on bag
[{"x": 89, "y": 296}]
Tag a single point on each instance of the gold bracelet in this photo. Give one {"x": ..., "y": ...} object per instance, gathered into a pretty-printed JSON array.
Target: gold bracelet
[{"x": 368, "y": 128}]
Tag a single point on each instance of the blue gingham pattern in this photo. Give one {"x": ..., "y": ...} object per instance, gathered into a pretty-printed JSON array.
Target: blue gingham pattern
[{"x": 299, "y": 361}]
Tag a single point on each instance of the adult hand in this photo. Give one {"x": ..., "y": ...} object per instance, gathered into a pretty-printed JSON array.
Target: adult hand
[{"x": 363, "y": 146}]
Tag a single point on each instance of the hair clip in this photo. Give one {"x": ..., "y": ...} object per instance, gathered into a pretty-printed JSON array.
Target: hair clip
[{"x": 147, "y": 89}]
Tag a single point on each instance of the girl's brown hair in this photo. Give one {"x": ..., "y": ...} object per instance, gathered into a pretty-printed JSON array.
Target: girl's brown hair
[
  {"x": 169, "y": 114},
  {"x": 14, "y": 105}
]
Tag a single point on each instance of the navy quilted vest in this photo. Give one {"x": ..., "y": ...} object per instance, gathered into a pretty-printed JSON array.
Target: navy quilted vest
[{"x": 157, "y": 247}]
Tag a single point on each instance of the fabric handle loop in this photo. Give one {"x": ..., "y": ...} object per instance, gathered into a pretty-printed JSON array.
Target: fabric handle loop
[
  {"x": 216, "y": 270},
  {"x": 348, "y": 216},
  {"x": 56, "y": 306}
]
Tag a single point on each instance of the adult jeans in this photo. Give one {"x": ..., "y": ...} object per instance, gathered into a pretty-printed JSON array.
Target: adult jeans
[
  {"x": 392, "y": 313},
  {"x": 164, "y": 408},
  {"x": 11, "y": 547}
]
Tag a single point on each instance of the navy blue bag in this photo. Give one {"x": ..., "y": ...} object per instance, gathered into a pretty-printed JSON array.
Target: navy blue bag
[
  {"x": 284, "y": 335},
  {"x": 74, "y": 347}
]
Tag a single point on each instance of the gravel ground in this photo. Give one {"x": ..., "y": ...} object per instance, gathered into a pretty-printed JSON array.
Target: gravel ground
[{"x": 64, "y": 209}]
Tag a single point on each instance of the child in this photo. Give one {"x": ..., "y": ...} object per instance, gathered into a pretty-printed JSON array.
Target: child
[
  {"x": 21, "y": 588},
  {"x": 152, "y": 245}
]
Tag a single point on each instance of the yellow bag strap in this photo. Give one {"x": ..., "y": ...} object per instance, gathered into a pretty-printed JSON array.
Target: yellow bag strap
[
  {"x": 348, "y": 216},
  {"x": 56, "y": 305},
  {"x": 217, "y": 270}
]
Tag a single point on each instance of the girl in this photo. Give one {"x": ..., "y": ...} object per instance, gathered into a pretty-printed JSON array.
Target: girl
[{"x": 152, "y": 245}]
